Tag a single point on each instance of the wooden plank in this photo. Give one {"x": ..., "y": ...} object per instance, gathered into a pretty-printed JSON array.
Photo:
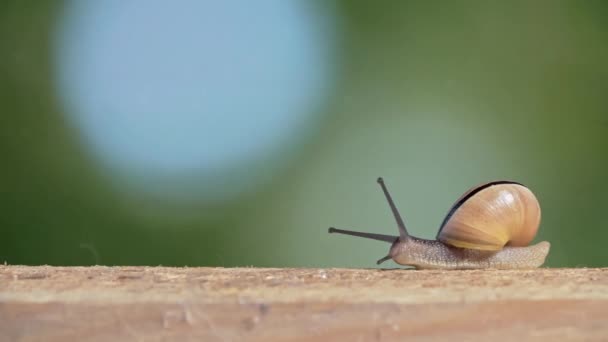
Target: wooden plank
[{"x": 261, "y": 304}]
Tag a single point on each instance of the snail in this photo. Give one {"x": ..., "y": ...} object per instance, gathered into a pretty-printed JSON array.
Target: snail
[{"x": 489, "y": 226}]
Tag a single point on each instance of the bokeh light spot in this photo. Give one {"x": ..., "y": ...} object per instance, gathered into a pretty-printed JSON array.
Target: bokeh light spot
[{"x": 176, "y": 93}]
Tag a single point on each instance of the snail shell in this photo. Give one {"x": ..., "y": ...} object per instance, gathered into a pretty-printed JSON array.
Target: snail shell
[{"x": 490, "y": 216}]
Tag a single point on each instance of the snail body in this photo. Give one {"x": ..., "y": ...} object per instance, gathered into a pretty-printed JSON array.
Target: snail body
[{"x": 490, "y": 226}]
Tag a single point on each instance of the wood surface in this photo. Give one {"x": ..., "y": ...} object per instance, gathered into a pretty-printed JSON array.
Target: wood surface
[{"x": 261, "y": 304}]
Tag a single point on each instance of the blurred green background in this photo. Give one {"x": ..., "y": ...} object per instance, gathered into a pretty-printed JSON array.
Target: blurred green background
[{"x": 434, "y": 96}]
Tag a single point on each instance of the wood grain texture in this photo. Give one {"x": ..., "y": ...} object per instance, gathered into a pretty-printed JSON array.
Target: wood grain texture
[{"x": 261, "y": 304}]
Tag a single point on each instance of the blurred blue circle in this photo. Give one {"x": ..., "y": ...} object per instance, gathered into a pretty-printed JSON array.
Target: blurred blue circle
[{"x": 164, "y": 90}]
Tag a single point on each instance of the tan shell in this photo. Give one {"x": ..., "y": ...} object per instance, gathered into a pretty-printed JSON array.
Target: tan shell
[{"x": 492, "y": 215}]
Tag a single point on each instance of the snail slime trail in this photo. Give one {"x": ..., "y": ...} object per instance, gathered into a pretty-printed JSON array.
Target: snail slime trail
[{"x": 489, "y": 226}]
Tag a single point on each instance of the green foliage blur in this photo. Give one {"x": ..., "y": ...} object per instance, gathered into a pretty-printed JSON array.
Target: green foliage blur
[{"x": 434, "y": 96}]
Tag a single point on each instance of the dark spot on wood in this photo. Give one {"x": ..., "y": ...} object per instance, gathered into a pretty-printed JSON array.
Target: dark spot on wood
[
  {"x": 129, "y": 276},
  {"x": 263, "y": 308}
]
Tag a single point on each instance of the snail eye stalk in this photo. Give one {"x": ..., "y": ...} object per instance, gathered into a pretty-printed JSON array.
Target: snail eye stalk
[{"x": 403, "y": 235}]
